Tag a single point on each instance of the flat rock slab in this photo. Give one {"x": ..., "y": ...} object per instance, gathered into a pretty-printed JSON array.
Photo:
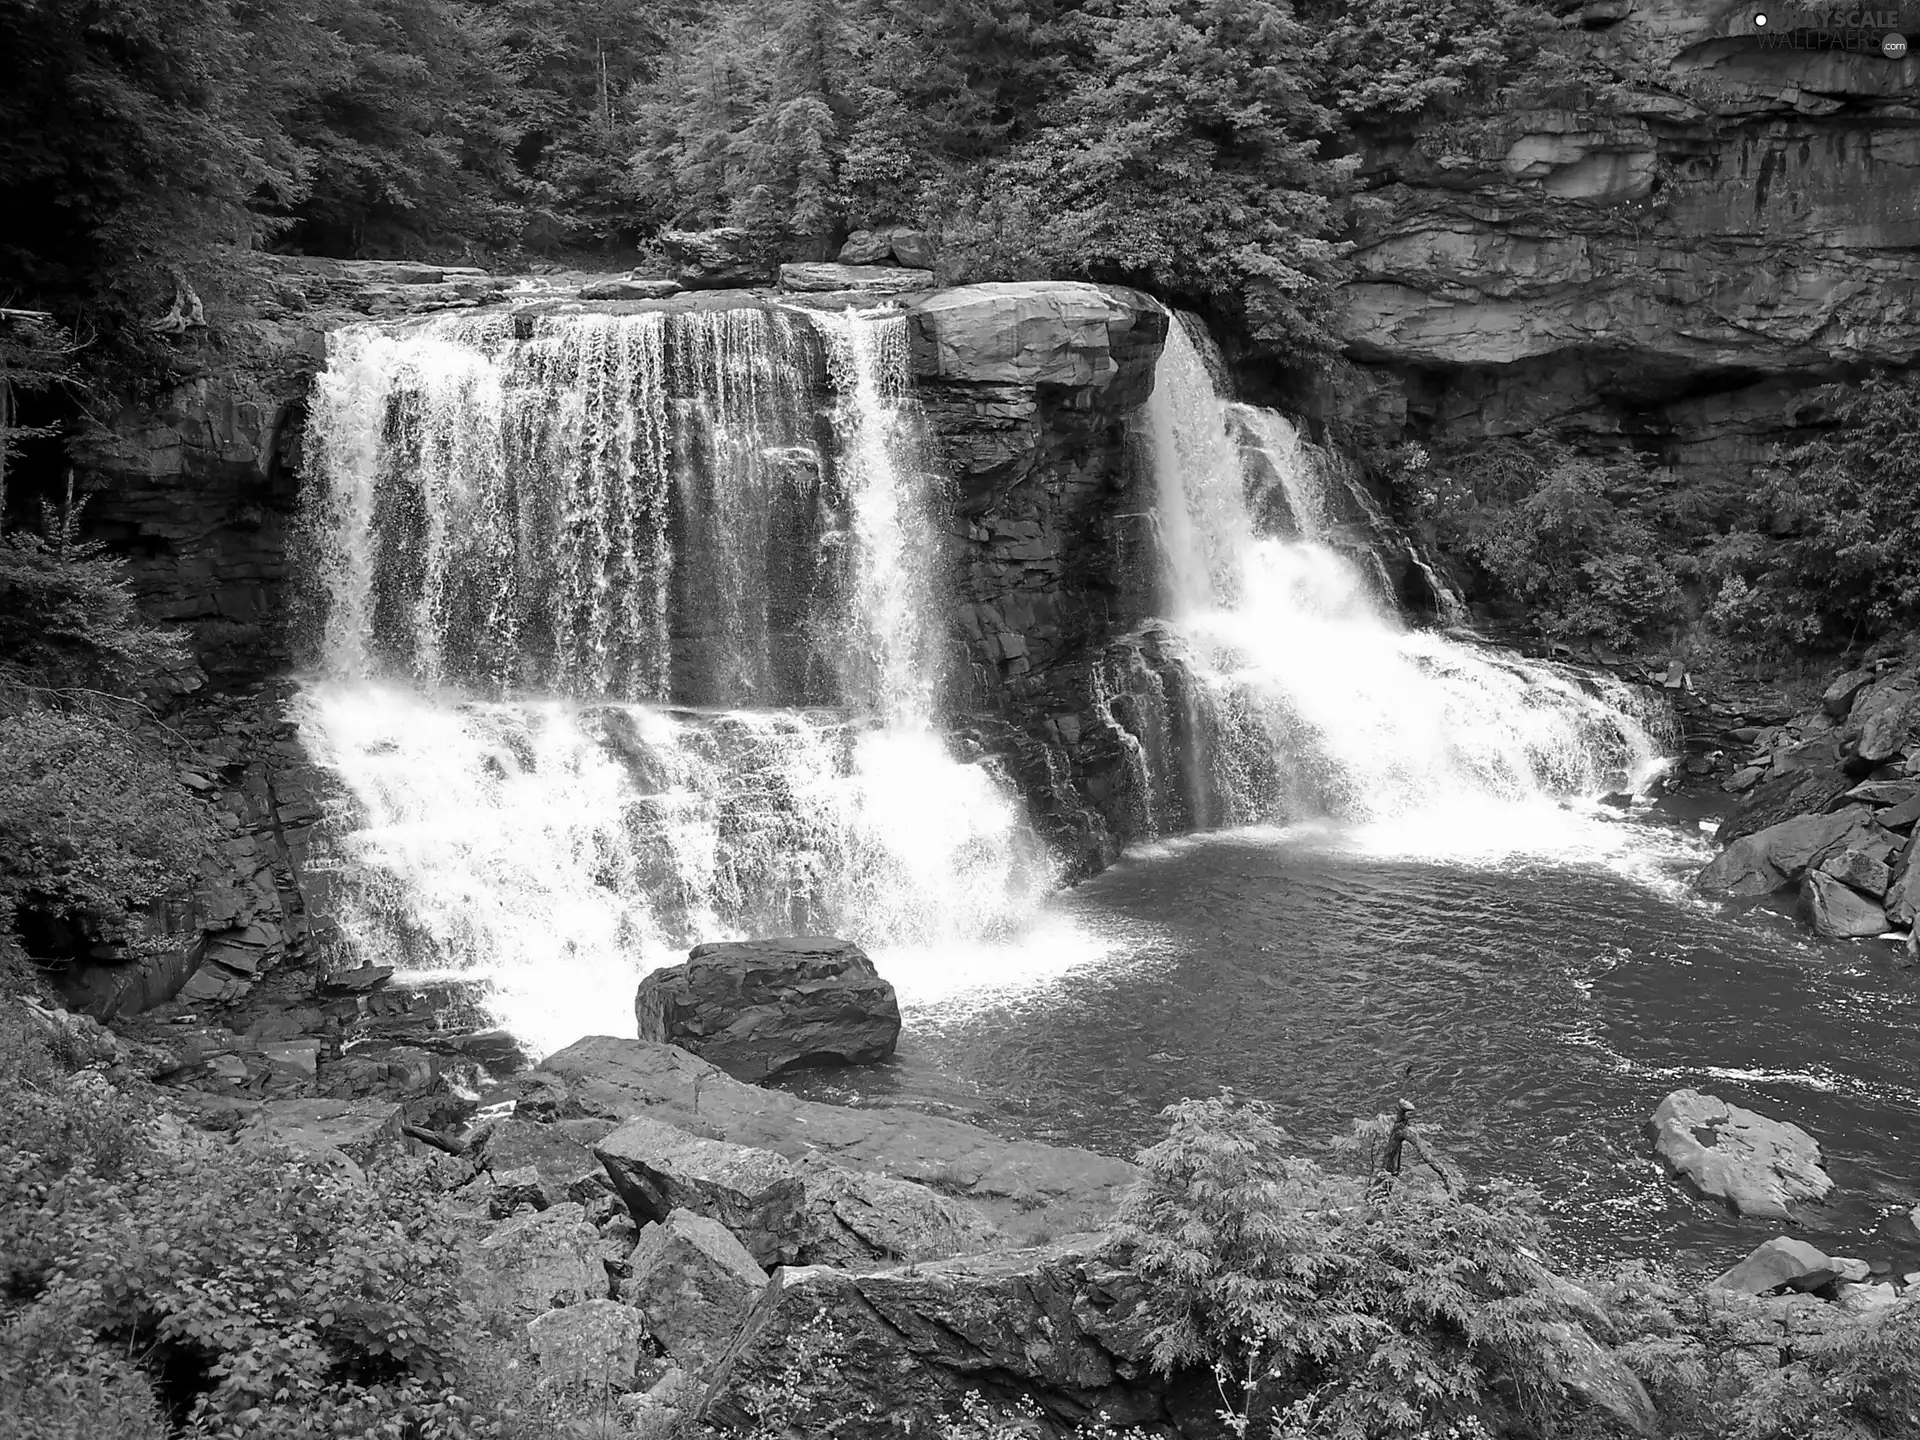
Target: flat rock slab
[
  {"x": 630, "y": 289},
  {"x": 1022, "y": 1188},
  {"x": 358, "y": 1129},
  {"x": 867, "y": 279},
  {"x": 756, "y": 1194},
  {"x": 1754, "y": 1165},
  {"x": 1781, "y": 1264},
  {"x": 758, "y": 1007}
]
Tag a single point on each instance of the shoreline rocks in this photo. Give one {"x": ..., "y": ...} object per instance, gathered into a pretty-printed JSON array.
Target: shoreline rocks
[{"x": 1755, "y": 1166}]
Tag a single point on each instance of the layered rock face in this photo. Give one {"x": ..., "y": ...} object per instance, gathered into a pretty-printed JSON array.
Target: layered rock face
[{"x": 1672, "y": 265}]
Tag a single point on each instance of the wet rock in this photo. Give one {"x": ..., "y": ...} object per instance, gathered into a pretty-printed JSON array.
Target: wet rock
[
  {"x": 533, "y": 1263},
  {"x": 1838, "y": 912},
  {"x": 1020, "y": 1187},
  {"x": 1861, "y": 869},
  {"x": 1782, "y": 1263},
  {"x": 755, "y": 1193},
  {"x": 1722, "y": 1152},
  {"x": 595, "y": 1343},
  {"x": 359, "y": 1129},
  {"x": 693, "y": 1284},
  {"x": 628, "y": 288},
  {"x": 356, "y": 982},
  {"x": 757, "y": 1007},
  {"x": 1773, "y": 858},
  {"x": 719, "y": 259},
  {"x": 865, "y": 279}
]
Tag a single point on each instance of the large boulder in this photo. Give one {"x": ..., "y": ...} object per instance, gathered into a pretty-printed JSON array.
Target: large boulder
[
  {"x": 1783, "y": 1263},
  {"x": 549, "y": 1165},
  {"x": 1864, "y": 870},
  {"x": 1838, "y": 911},
  {"x": 755, "y": 1193},
  {"x": 722, "y": 259},
  {"x": 1039, "y": 332},
  {"x": 1754, "y": 1165},
  {"x": 899, "y": 1351},
  {"x": 915, "y": 249},
  {"x": 757, "y": 1007},
  {"x": 694, "y": 1285},
  {"x": 819, "y": 277},
  {"x": 1880, "y": 721},
  {"x": 1774, "y": 858},
  {"x": 1023, "y": 1188}
]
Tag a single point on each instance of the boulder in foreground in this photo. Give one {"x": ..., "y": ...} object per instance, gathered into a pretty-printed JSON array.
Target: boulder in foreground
[
  {"x": 758, "y": 1007},
  {"x": 754, "y": 1193},
  {"x": 694, "y": 1284},
  {"x": 1754, "y": 1165}
]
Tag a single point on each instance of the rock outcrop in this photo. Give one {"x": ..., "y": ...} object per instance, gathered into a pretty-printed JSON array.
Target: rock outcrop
[
  {"x": 1019, "y": 1187},
  {"x": 1754, "y": 1165},
  {"x": 758, "y": 1007},
  {"x": 1666, "y": 257},
  {"x": 719, "y": 259}
]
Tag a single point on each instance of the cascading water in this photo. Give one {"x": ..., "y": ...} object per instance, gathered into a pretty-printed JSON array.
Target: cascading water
[
  {"x": 1283, "y": 687},
  {"x": 627, "y": 645}
]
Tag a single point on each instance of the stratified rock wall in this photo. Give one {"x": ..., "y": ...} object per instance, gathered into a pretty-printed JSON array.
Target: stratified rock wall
[
  {"x": 1670, "y": 259},
  {"x": 1028, "y": 390}
]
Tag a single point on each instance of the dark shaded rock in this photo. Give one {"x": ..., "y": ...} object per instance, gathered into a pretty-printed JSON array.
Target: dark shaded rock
[
  {"x": 1754, "y": 1165},
  {"x": 1805, "y": 780},
  {"x": 356, "y": 982},
  {"x": 715, "y": 259},
  {"x": 1782, "y": 1263},
  {"x": 819, "y": 277},
  {"x": 755, "y": 1193},
  {"x": 1773, "y": 858},
  {"x": 898, "y": 1350},
  {"x": 757, "y": 1007},
  {"x": 1899, "y": 817},
  {"x": 1902, "y": 896},
  {"x": 561, "y": 1167},
  {"x": 694, "y": 1284},
  {"x": 1021, "y": 1187}
]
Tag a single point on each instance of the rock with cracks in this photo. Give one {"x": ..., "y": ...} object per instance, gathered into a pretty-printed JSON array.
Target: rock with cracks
[
  {"x": 755, "y": 1193},
  {"x": 694, "y": 1285},
  {"x": 1754, "y": 1165},
  {"x": 758, "y": 1007}
]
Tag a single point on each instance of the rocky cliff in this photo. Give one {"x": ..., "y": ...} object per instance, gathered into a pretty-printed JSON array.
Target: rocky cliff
[{"x": 1668, "y": 252}]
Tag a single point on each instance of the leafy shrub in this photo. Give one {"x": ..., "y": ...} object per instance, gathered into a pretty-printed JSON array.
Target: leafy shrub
[
  {"x": 94, "y": 823},
  {"x": 1322, "y": 1314},
  {"x": 68, "y": 618},
  {"x": 1582, "y": 548},
  {"x": 251, "y": 1293},
  {"x": 1728, "y": 1367}
]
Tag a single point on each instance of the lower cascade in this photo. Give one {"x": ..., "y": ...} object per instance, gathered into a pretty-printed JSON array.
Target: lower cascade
[{"x": 632, "y": 639}]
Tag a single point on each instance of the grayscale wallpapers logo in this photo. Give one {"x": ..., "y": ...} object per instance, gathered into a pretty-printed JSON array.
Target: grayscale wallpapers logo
[{"x": 1804, "y": 27}]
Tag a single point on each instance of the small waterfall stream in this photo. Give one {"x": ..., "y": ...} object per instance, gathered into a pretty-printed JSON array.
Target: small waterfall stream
[
  {"x": 1283, "y": 687},
  {"x": 629, "y": 644}
]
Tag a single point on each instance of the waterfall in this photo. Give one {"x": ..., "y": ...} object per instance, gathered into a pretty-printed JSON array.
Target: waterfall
[
  {"x": 629, "y": 642},
  {"x": 1282, "y": 684}
]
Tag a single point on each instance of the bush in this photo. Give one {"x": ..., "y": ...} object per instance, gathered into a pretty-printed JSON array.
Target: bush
[
  {"x": 1322, "y": 1314},
  {"x": 243, "y": 1291},
  {"x": 94, "y": 824}
]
